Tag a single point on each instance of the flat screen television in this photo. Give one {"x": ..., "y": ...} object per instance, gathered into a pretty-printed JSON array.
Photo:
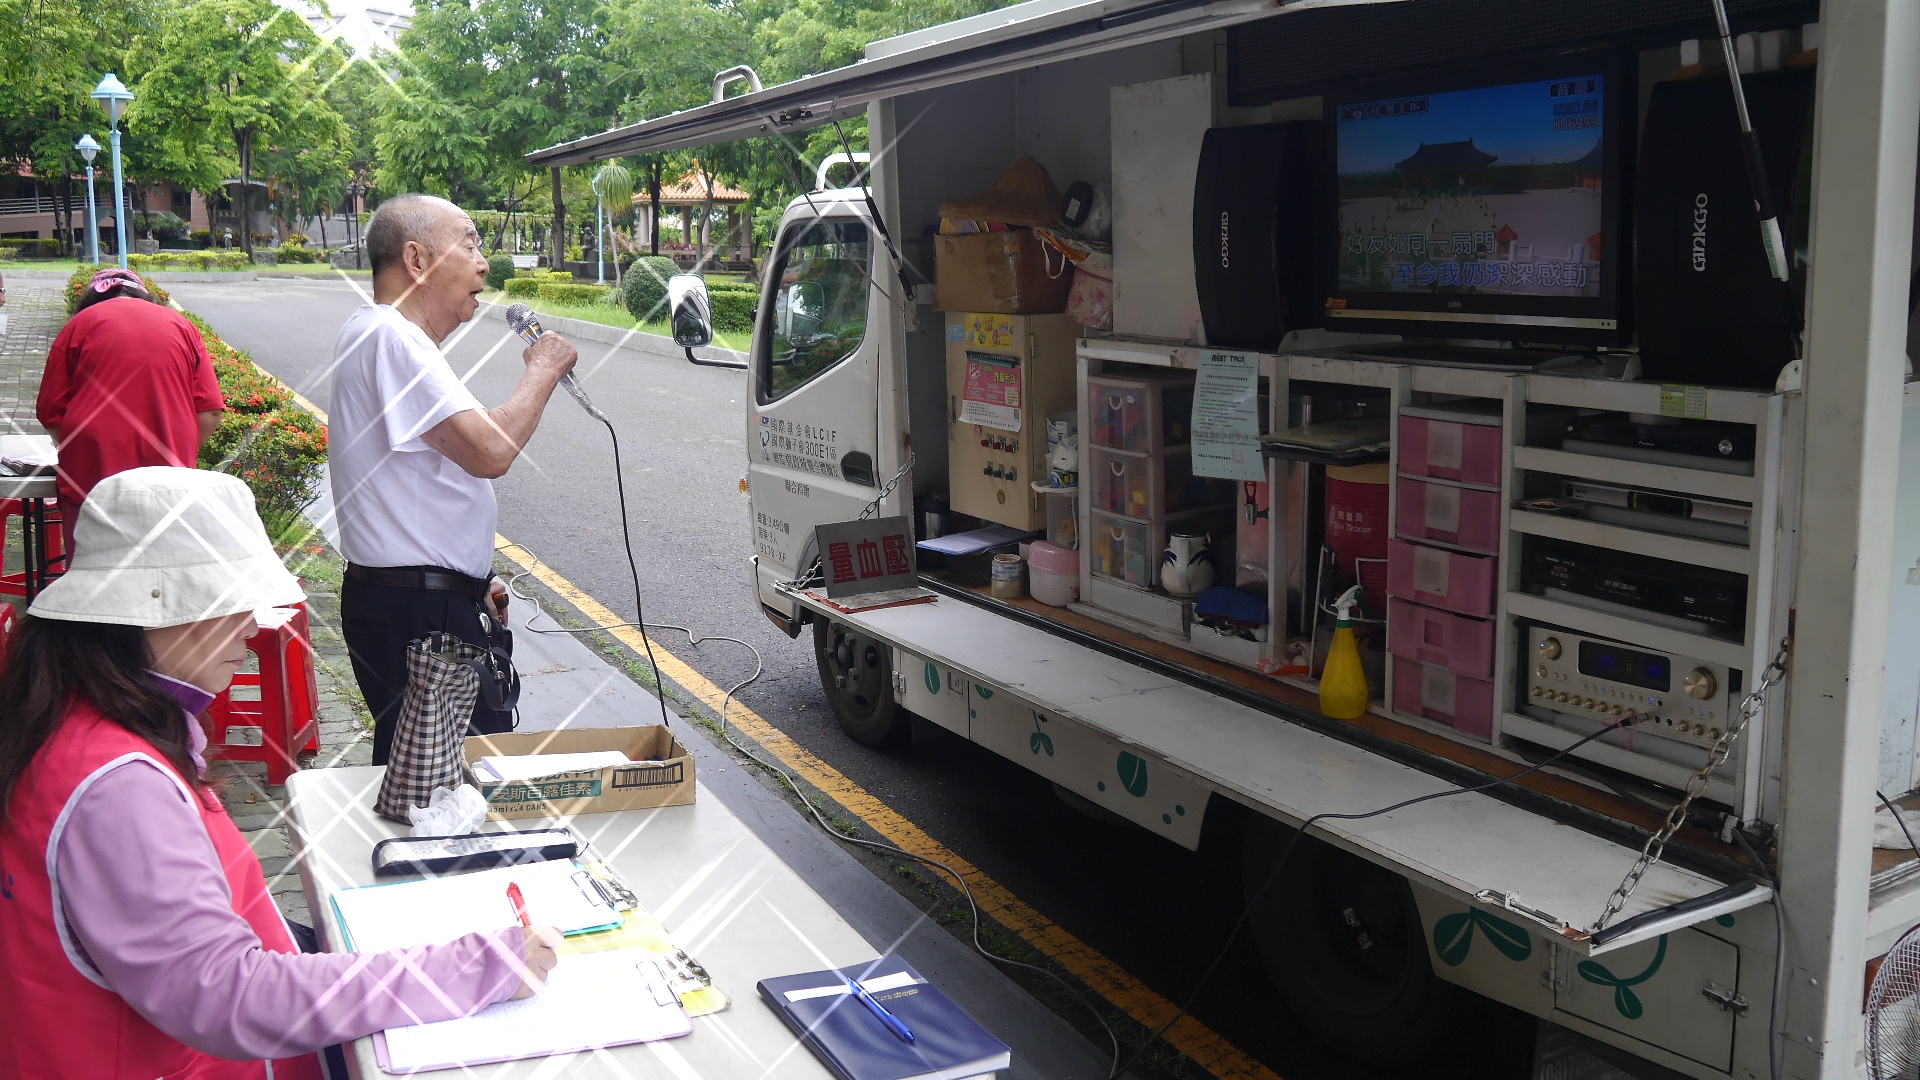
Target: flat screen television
[{"x": 1485, "y": 204}]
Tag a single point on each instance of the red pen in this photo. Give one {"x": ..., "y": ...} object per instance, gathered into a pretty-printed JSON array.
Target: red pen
[{"x": 519, "y": 903}]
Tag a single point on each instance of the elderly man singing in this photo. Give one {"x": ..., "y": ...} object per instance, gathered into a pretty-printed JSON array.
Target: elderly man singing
[{"x": 412, "y": 454}]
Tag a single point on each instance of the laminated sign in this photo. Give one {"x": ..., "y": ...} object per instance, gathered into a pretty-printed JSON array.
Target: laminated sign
[
  {"x": 871, "y": 555},
  {"x": 991, "y": 395},
  {"x": 1226, "y": 417}
]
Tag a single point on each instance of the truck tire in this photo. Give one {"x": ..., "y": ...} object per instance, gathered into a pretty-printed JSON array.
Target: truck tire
[
  {"x": 857, "y": 674},
  {"x": 1342, "y": 942}
]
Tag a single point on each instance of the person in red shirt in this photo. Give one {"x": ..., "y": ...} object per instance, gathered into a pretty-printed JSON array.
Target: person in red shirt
[{"x": 128, "y": 384}]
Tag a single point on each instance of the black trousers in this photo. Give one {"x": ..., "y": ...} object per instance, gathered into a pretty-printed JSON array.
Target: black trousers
[{"x": 379, "y": 622}]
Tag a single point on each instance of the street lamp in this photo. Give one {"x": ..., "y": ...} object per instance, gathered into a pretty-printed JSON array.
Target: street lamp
[
  {"x": 354, "y": 191},
  {"x": 113, "y": 96},
  {"x": 88, "y": 148}
]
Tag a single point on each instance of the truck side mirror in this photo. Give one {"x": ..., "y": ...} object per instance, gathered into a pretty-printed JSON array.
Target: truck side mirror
[
  {"x": 692, "y": 318},
  {"x": 691, "y": 311}
]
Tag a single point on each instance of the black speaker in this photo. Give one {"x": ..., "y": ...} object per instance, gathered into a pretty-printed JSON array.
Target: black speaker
[
  {"x": 1708, "y": 310},
  {"x": 1262, "y": 230}
]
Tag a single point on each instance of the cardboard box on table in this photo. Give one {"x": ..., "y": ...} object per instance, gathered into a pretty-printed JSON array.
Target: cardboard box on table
[{"x": 661, "y": 773}]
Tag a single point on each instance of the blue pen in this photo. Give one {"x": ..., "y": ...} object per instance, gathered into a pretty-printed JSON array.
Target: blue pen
[{"x": 893, "y": 1022}]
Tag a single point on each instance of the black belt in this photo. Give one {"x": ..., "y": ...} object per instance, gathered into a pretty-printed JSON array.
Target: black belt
[{"x": 411, "y": 577}]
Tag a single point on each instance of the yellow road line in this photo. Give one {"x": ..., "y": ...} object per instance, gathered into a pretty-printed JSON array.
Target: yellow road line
[{"x": 1106, "y": 978}]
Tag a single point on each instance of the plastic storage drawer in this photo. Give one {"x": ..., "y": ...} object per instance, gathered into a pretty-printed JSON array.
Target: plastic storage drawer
[
  {"x": 1442, "y": 578},
  {"x": 1463, "y": 703},
  {"x": 1451, "y": 445},
  {"x": 1150, "y": 486},
  {"x": 1460, "y": 644},
  {"x": 1464, "y": 517},
  {"x": 1128, "y": 551},
  {"x": 1145, "y": 414}
]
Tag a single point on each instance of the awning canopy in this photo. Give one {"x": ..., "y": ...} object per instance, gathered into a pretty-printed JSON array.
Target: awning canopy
[{"x": 1037, "y": 32}]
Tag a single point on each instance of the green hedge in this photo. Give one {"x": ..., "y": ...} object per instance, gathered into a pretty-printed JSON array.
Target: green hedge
[
  {"x": 44, "y": 249},
  {"x": 291, "y": 252},
  {"x": 191, "y": 260},
  {"x": 644, "y": 291},
  {"x": 499, "y": 269},
  {"x": 560, "y": 292},
  {"x": 524, "y": 288},
  {"x": 733, "y": 308}
]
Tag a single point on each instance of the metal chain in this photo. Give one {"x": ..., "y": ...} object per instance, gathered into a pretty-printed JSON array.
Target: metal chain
[
  {"x": 873, "y": 506},
  {"x": 1656, "y": 845}
]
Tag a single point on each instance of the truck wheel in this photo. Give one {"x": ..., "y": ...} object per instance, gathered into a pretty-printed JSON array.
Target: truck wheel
[
  {"x": 857, "y": 674},
  {"x": 1343, "y": 943}
]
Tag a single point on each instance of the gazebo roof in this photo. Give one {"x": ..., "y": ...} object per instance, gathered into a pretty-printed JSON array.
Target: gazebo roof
[{"x": 691, "y": 190}]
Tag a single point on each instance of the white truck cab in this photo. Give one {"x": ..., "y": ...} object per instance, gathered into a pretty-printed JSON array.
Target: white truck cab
[{"x": 1538, "y": 589}]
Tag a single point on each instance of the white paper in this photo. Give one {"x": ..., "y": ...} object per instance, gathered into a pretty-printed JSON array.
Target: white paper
[
  {"x": 436, "y": 910},
  {"x": 1431, "y": 569},
  {"x": 1226, "y": 417},
  {"x": 1437, "y": 686},
  {"x": 872, "y": 986},
  {"x": 590, "y": 1000},
  {"x": 1442, "y": 509},
  {"x": 534, "y": 766},
  {"x": 1444, "y": 444}
]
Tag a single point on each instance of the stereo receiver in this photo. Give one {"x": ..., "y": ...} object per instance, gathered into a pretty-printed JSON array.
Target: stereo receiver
[{"x": 1587, "y": 681}]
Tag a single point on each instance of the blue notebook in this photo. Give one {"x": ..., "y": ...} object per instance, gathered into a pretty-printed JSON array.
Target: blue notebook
[{"x": 845, "y": 1035}]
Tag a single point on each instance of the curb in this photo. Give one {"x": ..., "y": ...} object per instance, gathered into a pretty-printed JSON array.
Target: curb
[
  {"x": 637, "y": 340},
  {"x": 164, "y": 277}
]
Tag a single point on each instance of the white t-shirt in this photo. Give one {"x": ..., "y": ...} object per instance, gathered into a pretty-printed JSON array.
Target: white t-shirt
[{"x": 400, "y": 502}]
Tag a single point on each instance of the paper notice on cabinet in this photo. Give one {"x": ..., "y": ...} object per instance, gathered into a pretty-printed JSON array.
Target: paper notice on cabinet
[{"x": 1226, "y": 417}]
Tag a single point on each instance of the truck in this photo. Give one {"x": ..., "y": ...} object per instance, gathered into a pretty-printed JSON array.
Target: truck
[{"x": 1490, "y": 307}]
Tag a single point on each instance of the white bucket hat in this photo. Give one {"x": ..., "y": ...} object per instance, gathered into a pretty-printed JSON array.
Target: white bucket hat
[{"x": 164, "y": 546}]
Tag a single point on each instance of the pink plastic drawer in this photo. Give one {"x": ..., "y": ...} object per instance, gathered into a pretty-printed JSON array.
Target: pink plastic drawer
[
  {"x": 1438, "y": 694},
  {"x": 1469, "y": 453},
  {"x": 1462, "y": 645},
  {"x": 1466, "y": 517},
  {"x": 1446, "y": 579}
]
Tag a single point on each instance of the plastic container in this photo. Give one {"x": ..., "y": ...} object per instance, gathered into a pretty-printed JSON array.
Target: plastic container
[
  {"x": 1009, "y": 580},
  {"x": 1462, "y": 645},
  {"x": 1441, "y": 578},
  {"x": 1461, "y": 702},
  {"x": 1123, "y": 550},
  {"x": 1053, "y": 573},
  {"x": 1453, "y": 442},
  {"x": 1063, "y": 515},
  {"x": 1151, "y": 486},
  {"x": 1146, "y": 414},
  {"x": 1461, "y": 516},
  {"x": 1343, "y": 682}
]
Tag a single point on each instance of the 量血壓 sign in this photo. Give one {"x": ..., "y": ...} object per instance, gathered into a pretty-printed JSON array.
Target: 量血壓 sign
[{"x": 870, "y": 555}]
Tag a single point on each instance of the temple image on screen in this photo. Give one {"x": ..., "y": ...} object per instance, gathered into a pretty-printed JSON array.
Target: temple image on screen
[{"x": 1491, "y": 191}]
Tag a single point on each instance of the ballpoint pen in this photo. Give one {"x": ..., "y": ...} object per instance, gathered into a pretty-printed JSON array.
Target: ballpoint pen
[
  {"x": 519, "y": 903},
  {"x": 893, "y": 1022}
]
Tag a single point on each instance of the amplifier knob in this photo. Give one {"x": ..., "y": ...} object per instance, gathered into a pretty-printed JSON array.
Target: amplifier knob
[
  {"x": 1550, "y": 648},
  {"x": 1713, "y": 733},
  {"x": 1619, "y": 710},
  {"x": 1700, "y": 683},
  {"x": 1588, "y": 702},
  {"x": 1683, "y": 727},
  {"x": 1537, "y": 692},
  {"x": 1561, "y": 696}
]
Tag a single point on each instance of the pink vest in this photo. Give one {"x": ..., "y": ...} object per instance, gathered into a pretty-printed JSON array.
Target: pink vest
[{"x": 61, "y": 1021}]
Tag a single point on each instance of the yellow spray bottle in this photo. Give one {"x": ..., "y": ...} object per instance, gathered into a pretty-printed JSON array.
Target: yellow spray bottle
[{"x": 1343, "y": 683}]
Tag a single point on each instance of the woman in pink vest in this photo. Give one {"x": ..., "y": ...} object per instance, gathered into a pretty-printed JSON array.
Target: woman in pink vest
[{"x": 137, "y": 936}]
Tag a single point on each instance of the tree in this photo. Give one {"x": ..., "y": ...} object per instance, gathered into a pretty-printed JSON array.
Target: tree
[
  {"x": 51, "y": 56},
  {"x": 485, "y": 82},
  {"x": 227, "y": 69}
]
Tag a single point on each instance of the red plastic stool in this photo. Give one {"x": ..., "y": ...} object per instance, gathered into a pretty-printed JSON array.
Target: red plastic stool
[
  {"x": 15, "y": 584},
  {"x": 287, "y": 713}
]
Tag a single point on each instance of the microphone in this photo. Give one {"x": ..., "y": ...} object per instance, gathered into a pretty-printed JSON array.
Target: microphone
[{"x": 521, "y": 320}]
